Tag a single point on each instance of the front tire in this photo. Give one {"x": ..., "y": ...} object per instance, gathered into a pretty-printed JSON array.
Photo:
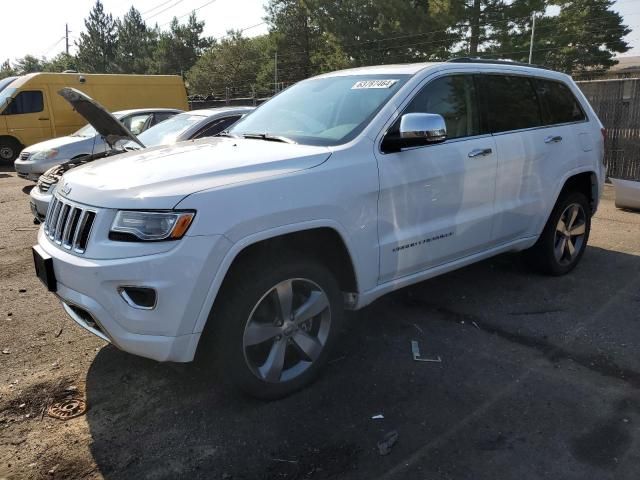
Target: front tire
[
  {"x": 564, "y": 238},
  {"x": 275, "y": 325}
]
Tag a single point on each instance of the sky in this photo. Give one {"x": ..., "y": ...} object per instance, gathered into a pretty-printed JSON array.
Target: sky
[{"x": 48, "y": 18}]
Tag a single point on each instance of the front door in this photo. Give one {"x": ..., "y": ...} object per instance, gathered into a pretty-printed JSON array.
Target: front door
[
  {"x": 437, "y": 201},
  {"x": 28, "y": 118}
]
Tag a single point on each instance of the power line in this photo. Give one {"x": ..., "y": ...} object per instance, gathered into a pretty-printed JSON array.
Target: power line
[
  {"x": 189, "y": 13},
  {"x": 156, "y": 7},
  {"x": 163, "y": 10}
]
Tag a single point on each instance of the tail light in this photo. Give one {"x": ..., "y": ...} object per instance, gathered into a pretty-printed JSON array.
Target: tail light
[{"x": 604, "y": 133}]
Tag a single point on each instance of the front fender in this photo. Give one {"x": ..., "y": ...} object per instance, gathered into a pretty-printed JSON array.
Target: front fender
[{"x": 235, "y": 248}]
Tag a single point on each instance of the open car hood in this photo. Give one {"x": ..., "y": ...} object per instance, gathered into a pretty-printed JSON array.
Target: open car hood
[{"x": 105, "y": 124}]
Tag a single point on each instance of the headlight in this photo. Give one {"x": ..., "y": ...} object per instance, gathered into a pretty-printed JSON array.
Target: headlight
[
  {"x": 150, "y": 226},
  {"x": 45, "y": 154}
]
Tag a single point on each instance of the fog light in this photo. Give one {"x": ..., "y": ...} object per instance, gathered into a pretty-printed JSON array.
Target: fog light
[{"x": 138, "y": 297}]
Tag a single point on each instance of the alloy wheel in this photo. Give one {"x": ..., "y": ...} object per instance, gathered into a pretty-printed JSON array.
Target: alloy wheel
[
  {"x": 570, "y": 234},
  {"x": 287, "y": 330}
]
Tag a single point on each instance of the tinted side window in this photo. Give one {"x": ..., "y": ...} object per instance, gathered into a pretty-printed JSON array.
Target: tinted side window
[
  {"x": 454, "y": 98},
  {"x": 559, "y": 103},
  {"x": 217, "y": 126},
  {"x": 161, "y": 117},
  {"x": 510, "y": 103},
  {"x": 25, "y": 102}
]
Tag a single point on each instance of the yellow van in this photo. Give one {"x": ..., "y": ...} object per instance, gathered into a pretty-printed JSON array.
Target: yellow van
[{"x": 32, "y": 111}]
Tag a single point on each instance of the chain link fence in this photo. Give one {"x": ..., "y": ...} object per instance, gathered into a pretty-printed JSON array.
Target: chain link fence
[{"x": 617, "y": 103}]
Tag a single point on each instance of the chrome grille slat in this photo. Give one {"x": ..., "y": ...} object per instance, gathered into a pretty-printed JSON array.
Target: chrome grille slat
[
  {"x": 68, "y": 225},
  {"x": 57, "y": 236},
  {"x": 53, "y": 224},
  {"x": 81, "y": 223},
  {"x": 50, "y": 208}
]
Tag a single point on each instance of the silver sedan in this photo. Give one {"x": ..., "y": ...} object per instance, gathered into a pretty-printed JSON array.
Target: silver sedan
[{"x": 36, "y": 159}]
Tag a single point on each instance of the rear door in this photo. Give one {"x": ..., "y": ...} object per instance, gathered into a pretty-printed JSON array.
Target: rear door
[
  {"x": 533, "y": 153},
  {"x": 436, "y": 201}
]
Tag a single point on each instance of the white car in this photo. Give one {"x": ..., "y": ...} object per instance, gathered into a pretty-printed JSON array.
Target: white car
[
  {"x": 36, "y": 159},
  {"x": 342, "y": 188}
]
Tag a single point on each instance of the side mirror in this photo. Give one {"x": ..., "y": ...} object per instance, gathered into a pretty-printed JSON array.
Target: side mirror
[
  {"x": 415, "y": 130},
  {"x": 422, "y": 128}
]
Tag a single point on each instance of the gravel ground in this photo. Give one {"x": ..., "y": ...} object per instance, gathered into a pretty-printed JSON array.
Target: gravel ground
[{"x": 539, "y": 378}]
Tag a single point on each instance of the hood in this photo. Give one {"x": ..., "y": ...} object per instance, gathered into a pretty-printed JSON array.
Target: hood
[
  {"x": 159, "y": 177},
  {"x": 59, "y": 144},
  {"x": 105, "y": 124}
]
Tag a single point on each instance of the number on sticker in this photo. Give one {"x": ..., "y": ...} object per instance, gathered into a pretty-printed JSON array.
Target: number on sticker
[{"x": 373, "y": 84}]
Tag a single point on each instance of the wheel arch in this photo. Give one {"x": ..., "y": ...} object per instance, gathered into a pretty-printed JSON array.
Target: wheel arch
[
  {"x": 585, "y": 182},
  {"x": 302, "y": 238},
  {"x": 12, "y": 138}
]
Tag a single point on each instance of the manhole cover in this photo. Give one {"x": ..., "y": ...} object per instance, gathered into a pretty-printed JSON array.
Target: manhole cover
[{"x": 70, "y": 408}]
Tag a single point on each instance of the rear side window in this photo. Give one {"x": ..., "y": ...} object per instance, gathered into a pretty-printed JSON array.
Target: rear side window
[
  {"x": 510, "y": 102},
  {"x": 558, "y": 102},
  {"x": 162, "y": 116},
  {"x": 26, "y": 102},
  {"x": 454, "y": 98},
  {"x": 217, "y": 126}
]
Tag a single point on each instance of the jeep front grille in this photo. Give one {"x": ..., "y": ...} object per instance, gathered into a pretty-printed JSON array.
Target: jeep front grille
[{"x": 68, "y": 225}]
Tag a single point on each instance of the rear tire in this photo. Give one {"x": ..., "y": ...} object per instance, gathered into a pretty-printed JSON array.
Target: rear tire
[
  {"x": 564, "y": 238},
  {"x": 274, "y": 325},
  {"x": 9, "y": 149}
]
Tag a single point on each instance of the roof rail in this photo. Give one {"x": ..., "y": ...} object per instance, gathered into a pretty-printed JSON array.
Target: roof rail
[{"x": 493, "y": 62}]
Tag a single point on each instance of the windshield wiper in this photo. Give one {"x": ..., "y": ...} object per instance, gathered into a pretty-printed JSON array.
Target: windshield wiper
[
  {"x": 267, "y": 137},
  {"x": 226, "y": 133}
]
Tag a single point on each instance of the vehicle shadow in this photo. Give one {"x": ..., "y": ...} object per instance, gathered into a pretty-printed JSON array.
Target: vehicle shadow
[
  {"x": 6, "y": 167},
  {"x": 151, "y": 420}
]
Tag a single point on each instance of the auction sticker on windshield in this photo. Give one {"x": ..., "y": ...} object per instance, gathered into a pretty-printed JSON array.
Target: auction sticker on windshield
[{"x": 374, "y": 84}]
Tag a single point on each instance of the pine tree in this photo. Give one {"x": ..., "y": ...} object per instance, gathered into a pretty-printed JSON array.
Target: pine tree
[
  {"x": 97, "y": 46},
  {"x": 29, "y": 64},
  {"x": 135, "y": 43},
  {"x": 585, "y": 36},
  {"x": 6, "y": 70},
  {"x": 178, "y": 49}
]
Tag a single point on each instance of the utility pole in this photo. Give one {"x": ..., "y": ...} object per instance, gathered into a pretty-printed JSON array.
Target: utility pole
[
  {"x": 66, "y": 37},
  {"x": 275, "y": 73},
  {"x": 474, "y": 40},
  {"x": 533, "y": 31}
]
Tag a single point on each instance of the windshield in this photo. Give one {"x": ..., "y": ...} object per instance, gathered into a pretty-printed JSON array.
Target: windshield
[
  {"x": 322, "y": 111},
  {"x": 167, "y": 132},
  {"x": 4, "y": 83},
  {"x": 5, "y": 95},
  {"x": 88, "y": 131}
]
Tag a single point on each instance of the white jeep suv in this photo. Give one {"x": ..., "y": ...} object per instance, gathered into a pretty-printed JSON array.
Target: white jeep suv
[{"x": 248, "y": 247}]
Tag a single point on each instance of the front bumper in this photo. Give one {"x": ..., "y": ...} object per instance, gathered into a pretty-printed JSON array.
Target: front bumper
[
  {"x": 88, "y": 289},
  {"x": 40, "y": 202},
  {"x": 31, "y": 170}
]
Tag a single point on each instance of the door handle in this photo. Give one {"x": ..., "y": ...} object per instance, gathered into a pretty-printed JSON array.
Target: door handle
[
  {"x": 553, "y": 139},
  {"x": 480, "y": 152},
  {"x": 43, "y": 119}
]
